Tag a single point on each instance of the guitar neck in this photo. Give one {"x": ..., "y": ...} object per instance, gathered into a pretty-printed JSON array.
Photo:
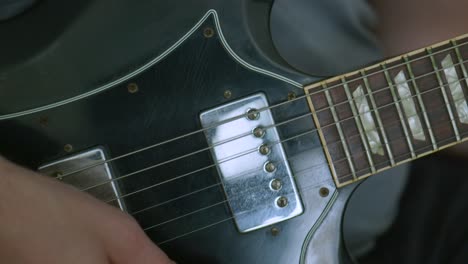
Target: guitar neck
[{"x": 393, "y": 112}]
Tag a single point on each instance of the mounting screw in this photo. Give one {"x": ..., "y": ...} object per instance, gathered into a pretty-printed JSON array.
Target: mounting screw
[
  {"x": 132, "y": 88},
  {"x": 324, "y": 192},
  {"x": 269, "y": 167},
  {"x": 258, "y": 132},
  {"x": 274, "y": 231},
  {"x": 68, "y": 148},
  {"x": 43, "y": 121},
  {"x": 253, "y": 114},
  {"x": 264, "y": 149},
  {"x": 291, "y": 96},
  {"x": 208, "y": 32},
  {"x": 58, "y": 175},
  {"x": 282, "y": 201},
  {"x": 227, "y": 94},
  {"x": 275, "y": 184}
]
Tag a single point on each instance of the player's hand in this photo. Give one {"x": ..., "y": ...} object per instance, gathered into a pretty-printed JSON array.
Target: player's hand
[{"x": 45, "y": 221}]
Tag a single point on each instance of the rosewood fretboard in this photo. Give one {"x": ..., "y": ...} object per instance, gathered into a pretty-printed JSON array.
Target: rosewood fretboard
[{"x": 393, "y": 112}]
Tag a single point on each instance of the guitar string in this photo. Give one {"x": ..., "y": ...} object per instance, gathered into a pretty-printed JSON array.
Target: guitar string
[
  {"x": 194, "y": 192},
  {"x": 330, "y": 144},
  {"x": 426, "y": 147},
  {"x": 205, "y": 188},
  {"x": 136, "y": 212},
  {"x": 179, "y": 218},
  {"x": 197, "y": 191},
  {"x": 357, "y": 155},
  {"x": 172, "y": 179},
  {"x": 272, "y": 143},
  {"x": 248, "y": 133},
  {"x": 344, "y": 176},
  {"x": 218, "y": 184},
  {"x": 224, "y": 202},
  {"x": 361, "y": 77},
  {"x": 232, "y": 217}
]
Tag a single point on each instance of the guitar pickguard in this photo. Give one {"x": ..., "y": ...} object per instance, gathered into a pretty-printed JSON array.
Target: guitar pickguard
[{"x": 183, "y": 214}]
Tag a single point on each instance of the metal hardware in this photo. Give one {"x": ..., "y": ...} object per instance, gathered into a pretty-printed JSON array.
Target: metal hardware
[
  {"x": 90, "y": 177},
  {"x": 68, "y": 148},
  {"x": 227, "y": 94},
  {"x": 43, "y": 121},
  {"x": 132, "y": 88},
  {"x": 58, "y": 175},
  {"x": 258, "y": 132},
  {"x": 282, "y": 201},
  {"x": 208, "y": 32},
  {"x": 275, "y": 184},
  {"x": 253, "y": 114},
  {"x": 269, "y": 167},
  {"x": 291, "y": 96},
  {"x": 274, "y": 231},
  {"x": 249, "y": 189},
  {"x": 324, "y": 192},
  {"x": 264, "y": 149}
]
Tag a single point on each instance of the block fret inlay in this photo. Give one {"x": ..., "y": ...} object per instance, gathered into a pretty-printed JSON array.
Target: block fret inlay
[
  {"x": 394, "y": 111},
  {"x": 455, "y": 88},
  {"x": 409, "y": 108}
]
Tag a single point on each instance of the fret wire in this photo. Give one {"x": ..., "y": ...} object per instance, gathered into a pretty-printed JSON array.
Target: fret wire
[
  {"x": 460, "y": 61},
  {"x": 400, "y": 113},
  {"x": 444, "y": 93},
  {"x": 379, "y": 121},
  {"x": 421, "y": 103},
  {"x": 358, "y": 121},
  {"x": 340, "y": 132}
]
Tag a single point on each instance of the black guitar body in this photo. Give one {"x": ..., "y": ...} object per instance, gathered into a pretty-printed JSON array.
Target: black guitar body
[{"x": 141, "y": 73}]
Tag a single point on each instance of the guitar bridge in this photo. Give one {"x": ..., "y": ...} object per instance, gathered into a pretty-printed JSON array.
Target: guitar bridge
[{"x": 251, "y": 162}]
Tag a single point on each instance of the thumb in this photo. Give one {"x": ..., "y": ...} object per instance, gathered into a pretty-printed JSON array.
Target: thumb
[{"x": 129, "y": 244}]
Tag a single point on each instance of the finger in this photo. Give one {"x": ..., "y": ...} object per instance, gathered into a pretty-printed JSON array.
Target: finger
[
  {"x": 146, "y": 253},
  {"x": 150, "y": 253},
  {"x": 128, "y": 244}
]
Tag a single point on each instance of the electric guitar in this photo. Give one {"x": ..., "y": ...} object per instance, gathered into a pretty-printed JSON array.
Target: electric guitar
[{"x": 188, "y": 120}]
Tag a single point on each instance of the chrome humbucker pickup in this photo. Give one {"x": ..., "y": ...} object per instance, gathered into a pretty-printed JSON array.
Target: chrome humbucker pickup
[
  {"x": 251, "y": 162},
  {"x": 97, "y": 180}
]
